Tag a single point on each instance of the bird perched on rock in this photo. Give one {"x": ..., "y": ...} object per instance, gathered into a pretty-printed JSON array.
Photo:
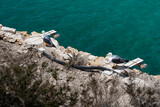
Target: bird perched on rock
[
  {"x": 47, "y": 40},
  {"x": 116, "y": 59}
]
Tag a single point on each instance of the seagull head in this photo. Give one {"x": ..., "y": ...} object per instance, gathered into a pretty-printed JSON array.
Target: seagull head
[
  {"x": 43, "y": 34},
  {"x": 109, "y": 54},
  {"x": 109, "y": 57}
]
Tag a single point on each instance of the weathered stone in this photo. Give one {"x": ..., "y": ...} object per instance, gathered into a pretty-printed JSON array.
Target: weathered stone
[
  {"x": 39, "y": 54},
  {"x": 41, "y": 49},
  {"x": 5, "y": 39},
  {"x": 66, "y": 56},
  {"x": 22, "y": 51},
  {"x": 55, "y": 42},
  {"x": 12, "y": 40},
  {"x": 20, "y": 42},
  {"x": 1, "y": 34},
  {"x": 113, "y": 88},
  {"x": 1, "y": 26},
  {"x": 108, "y": 73},
  {"x": 71, "y": 50},
  {"x": 137, "y": 71},
  {"x": 35, "y": 33},
  {"x": 141, "y": 82},
  {"x": 62, "y": 48},
  {"x": 92, "y": 57},
  {"x": 61, "y": 55},
  {"x": 24, "y": 33},
  {"x": 34, "y": 40},
  {"x": 97, "y": 62},
  {"x": 18, "y": 38},
  {"x": 157, "y": 76},
  {"x": 12, "y": 37},
  {"x": 25, "y": 51},
  {"x": 24, "y": 48},
  {"x": 7, "y": 29}
]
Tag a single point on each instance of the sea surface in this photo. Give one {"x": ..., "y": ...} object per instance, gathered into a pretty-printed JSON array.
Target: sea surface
[{"x": 129, "y": 28}]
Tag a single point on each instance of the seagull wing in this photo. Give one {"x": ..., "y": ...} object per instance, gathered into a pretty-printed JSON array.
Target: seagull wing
[
  {"x": 118, "y": 59},
  {"x": 48, "y": 41}
]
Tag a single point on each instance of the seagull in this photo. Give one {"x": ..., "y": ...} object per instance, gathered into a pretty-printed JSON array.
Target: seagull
[
  {"x": 47, "y": 40},
  {"x": 116, "y": 59}
]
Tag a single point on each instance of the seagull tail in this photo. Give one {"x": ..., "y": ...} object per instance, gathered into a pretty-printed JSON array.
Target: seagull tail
[
  {"x": 126, "y": 60},
  {"x": 54, "y": 46}
]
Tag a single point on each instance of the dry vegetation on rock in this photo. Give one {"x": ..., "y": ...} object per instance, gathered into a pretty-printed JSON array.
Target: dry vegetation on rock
[{"x": 30, "y": 80}]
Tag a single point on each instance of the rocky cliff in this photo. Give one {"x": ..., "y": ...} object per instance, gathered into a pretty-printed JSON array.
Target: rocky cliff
[{"x": 32, "y": 74}]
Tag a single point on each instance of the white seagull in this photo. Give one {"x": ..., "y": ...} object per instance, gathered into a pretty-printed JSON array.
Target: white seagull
[
  {"x": 46, "y": 39},
  {"x": 116, "y": 59}
]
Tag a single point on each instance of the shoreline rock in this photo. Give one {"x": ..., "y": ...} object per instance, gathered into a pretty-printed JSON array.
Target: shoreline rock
[
  {"x": 34, "y": 39},
  {"x": 38, "y": 78}
]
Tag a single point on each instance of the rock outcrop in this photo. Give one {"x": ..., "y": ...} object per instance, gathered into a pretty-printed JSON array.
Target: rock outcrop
[
  {"x": 10, "y": 35},
  {"x": 29, "y": 78}
]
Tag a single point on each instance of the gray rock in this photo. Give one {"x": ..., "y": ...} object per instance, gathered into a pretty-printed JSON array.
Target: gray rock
[
  {"x": 12, "y": 40},
  {"x": 24, "y": 48},
  {"x": 1, "y": 34},
  {"x": 41, "y": 49},
  {"x": 7, "y": 36},
  {"x": 1, "y": 26},
  {"x": 108, "y": 73},
  {"x": 34, "y": 40},
  {"x": 55, "y": 42},
  {"x": 91, "y": 57},
  {"x": 7, "y": 29}
]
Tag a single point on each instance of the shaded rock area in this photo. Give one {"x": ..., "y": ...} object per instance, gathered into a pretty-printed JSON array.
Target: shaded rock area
[{"x": 28, "y": 78}]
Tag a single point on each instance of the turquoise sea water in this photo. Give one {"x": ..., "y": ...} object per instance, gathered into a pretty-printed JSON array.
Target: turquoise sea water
[{"x": 129, "y": 28}]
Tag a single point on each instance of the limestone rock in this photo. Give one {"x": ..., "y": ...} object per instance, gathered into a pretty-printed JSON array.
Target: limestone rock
[
  {"x": 1, "y": 34},
  {"x": 41, "y": 49},
  {"x": 24, "y": 33},
  {"x": 18, "y": 38},
  {"x": 137, "y": 71},
  {"x": 5, "y": 39},
  {"x": 157, "y": 76},
  {"x": 24, "y": 48},
  {"x": 71, "y": 50},
  {"x": 141, "y": 82},
  {"x": 62, "y": 55},
  {"x": 20, "y": 42},
  {"x": 55, "y": 42},
  {"x": 1, "y": 26},
  {"x": 99, "y": 61},
  {"x": 39, "y": 54},
  {"x": 92, "y": 57},
  {"x": 35, "y": 33},
  {"x": 34, "y": 40},
  {"x": 62, "y": 48},
  {"x": 11, "y": 40},
  {"x": 10, "y": 37},
  {"x": 7, "y": 29}
]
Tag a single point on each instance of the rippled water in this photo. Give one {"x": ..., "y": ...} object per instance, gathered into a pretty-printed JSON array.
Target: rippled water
[{"x": 129, "y": 28}]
